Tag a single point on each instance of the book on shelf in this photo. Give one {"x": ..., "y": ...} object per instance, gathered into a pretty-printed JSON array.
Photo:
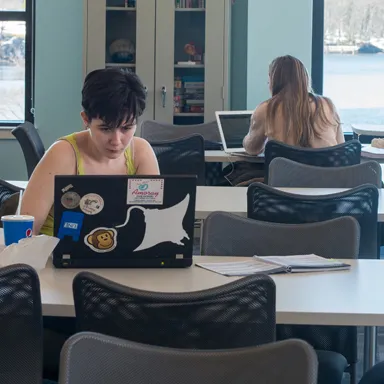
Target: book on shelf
[
  {"x": 275, "y": 264},
  {"x": 190, "y": 3}
]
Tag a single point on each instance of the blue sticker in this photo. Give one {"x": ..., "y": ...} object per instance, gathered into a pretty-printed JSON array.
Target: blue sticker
[{"x": 71, "y": 224}]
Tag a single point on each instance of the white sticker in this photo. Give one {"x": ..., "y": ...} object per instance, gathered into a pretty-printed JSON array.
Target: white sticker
[
  {"x": 145, "y": 191},
  {"x": 91, "y": 204},
  {"x": 101, "y": 239},
  {"x": 67, "y": 188}
]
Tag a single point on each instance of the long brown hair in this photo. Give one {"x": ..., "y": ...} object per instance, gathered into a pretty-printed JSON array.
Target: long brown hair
[{"x": 292, "y": 93}]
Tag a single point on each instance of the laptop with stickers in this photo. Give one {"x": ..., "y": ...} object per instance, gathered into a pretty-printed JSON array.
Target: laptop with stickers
[{"x": 124, "y": 221}]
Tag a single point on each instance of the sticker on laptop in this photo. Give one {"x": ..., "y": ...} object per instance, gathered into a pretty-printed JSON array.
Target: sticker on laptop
[
  {"x": 91, "y": 204},
  {"x": 67, "y": 188},
  {"x": 162, "y": 225},
  {"x": 70, "y": 200},
  {"x": 101, "y": 239},
  {"x": 70, "y": 225},
  {"x": 145, "y": 191}
]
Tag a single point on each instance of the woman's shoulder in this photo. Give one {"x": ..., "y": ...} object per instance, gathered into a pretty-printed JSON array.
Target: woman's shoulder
[
  {"x": 261, "y": 110},
  {"x": 140, "y": 148},
  {"x": 62, "y": 149}
]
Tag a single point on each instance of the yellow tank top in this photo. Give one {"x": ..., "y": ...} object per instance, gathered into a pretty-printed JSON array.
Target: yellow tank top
[{"x": 47, "y": 228}]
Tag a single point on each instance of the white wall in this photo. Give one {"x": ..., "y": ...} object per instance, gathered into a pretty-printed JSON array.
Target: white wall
[{"x": 275, "y": 28}]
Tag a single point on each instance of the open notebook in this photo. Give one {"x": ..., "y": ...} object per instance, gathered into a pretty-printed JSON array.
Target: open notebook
[{"x": 275, "y": 264}]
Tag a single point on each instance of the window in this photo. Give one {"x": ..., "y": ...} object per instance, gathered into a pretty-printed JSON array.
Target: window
[
  {"x": 16, "y": 61},
  {"x": 348, "y": 57}
]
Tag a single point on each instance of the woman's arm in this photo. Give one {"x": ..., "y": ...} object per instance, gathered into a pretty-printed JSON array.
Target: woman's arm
[
  {"x": 255, "y": 140},
  {"x": 144, "y": 158},
  {"x": 38, "y": 197},
  {"x": 333, "y": 116}
]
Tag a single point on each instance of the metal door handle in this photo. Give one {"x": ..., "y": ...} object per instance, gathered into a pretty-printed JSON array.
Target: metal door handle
[{"x": 163, "y": 95}]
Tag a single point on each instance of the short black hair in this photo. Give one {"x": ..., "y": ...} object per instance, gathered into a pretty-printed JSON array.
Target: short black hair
[{"x": 113, "y": 95}]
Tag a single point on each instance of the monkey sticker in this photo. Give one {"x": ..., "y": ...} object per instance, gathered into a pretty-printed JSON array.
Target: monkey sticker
[{"x": 101, "y": 239}]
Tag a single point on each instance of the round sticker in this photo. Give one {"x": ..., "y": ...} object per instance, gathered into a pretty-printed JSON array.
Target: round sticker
[
  {"x": 70, "y": 200},
  {"x": 92, "y": 204}
]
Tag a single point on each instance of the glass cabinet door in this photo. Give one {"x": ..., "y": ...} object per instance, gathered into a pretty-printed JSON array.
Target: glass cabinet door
[
  {"x": 185, "y": 30},
  {"x": 130, "y": 41},
  {"x": 121, "y": 34}
]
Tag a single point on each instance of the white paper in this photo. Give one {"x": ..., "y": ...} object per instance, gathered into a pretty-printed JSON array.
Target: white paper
[
  {"x": 241, "y": 268},
  {"x": 33, "y": 251},
  {"x": 302, "y": 261}
]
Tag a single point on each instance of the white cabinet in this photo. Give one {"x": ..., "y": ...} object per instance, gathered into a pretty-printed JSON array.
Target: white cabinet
[{"x": 181, "y": 54}]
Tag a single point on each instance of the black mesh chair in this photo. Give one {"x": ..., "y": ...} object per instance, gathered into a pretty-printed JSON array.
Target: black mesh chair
[
  {"x": 90, "y": 358},
  {"x": 340, "y": 155},
  {"x": 9, "y": 199},
  {"x": 21, "y": 329},
  {"x": 226, "y": 234},
  {"x": 31, "y": 144},
  {"x": 155, "y": 131},
  {"x": 265, "y": 203},
  {"x": 182, "y": 157},
  {"x": 237, "y": 314}
]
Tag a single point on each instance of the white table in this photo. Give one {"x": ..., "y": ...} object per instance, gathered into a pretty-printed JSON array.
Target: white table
[
  {"x": 368, "y": 129},
  {"x": 353, "y": 298},
  {"x": 234, "y": 199},
  {"x": 222, "y": 157}
]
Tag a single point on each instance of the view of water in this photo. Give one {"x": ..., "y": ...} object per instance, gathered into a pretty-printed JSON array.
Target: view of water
[{"x": 355, "y": 83}]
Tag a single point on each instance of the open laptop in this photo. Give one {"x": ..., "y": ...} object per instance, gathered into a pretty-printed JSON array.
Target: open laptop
[
  {"x": 233, "y": 127},
  {"x": 124, "y": 221}
]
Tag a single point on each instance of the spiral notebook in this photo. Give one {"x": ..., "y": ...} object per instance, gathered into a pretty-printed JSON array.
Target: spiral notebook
[{"x": 276, "y": 264}]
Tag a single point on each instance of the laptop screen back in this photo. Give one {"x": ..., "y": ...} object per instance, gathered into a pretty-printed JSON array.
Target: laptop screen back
[{"x": 234, "y": 128}]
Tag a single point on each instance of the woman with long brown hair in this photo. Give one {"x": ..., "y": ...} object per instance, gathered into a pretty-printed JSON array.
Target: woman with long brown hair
[{"x": 294, "y": 114}]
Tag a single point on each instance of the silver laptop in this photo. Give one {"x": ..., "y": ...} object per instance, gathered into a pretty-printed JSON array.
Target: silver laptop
[{"x": 233, "y": 127}]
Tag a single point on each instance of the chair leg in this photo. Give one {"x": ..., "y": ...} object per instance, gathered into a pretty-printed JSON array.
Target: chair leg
[{"x": 353, "y": 373}]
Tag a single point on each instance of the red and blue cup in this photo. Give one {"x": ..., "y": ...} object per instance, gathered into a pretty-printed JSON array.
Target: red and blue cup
[{"x": 17, "y": 227}]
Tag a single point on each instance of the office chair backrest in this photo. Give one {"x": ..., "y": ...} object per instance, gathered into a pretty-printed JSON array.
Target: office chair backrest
[
  {"x": 31, "y": 144},
  {"x": 340, "y": 155},
  {"x": 265, "y": 203},
  {"x": 238, "y": 314},
  {"x": 227, "y": 234},
  {"x": 91, "y": 358},
  {"x": 21, "y": 326},
  {"x": 287, "y": 173},
  {"x": 183, "y": 156}
]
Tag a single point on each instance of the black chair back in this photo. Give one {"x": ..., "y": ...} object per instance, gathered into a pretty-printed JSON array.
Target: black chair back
[
  {"x": 21, "y": 326},
  {"x": 182, "y": 157},
  {"x": 237, "y": 314},
  {"x": 266, "y": 203},
  {"x": 31, "y": 144},
  {"x": 340, "y": 155}
]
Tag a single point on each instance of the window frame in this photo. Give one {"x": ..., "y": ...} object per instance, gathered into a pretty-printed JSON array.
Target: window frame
[
  {"x": 317, "y": 72},
  {"x": 28, "y": 16}
]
